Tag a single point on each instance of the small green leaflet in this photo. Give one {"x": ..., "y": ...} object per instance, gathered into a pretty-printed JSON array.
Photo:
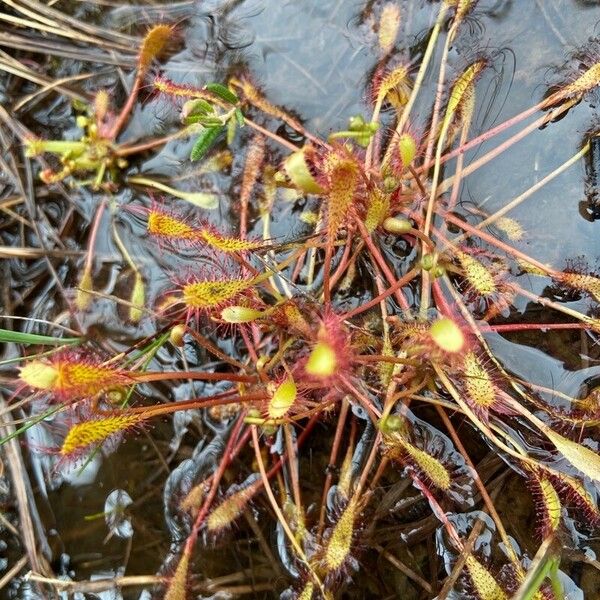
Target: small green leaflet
[
  {"x": 223, "y": 92},
  {"x": 239, "y": 117},
  {"x": 206, "y": 139},
  {"x": 359, "y": 130},
  {"x": 200, "y": 111},
  {"x": 206, "y": 120},
  {"x": 231, "y": 129},
  {"x": 197, "y": 107}
]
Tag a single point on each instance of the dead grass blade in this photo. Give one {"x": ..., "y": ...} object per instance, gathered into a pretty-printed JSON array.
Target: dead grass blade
[
  {"x": 14, "y": 67},
  {"x": 53, "y": 85},
  {"x": 60, "y": 48},
  {"x": 46, "y": 18},
  {"x": 31, "y": 253},
  {"x": 13, "y": 572},
  {"x": 21, "y": 492}
]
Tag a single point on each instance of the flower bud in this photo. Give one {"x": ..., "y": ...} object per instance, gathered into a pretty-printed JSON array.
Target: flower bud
[
  {"x": 39, "y": 375},
  {"x": 397, "y": 225},
  {"x": 427, "y": 262},
  {"x": 391, "y": 423},
  {"x": 240, "y": 314},
  {"x": 176, "y": 335},
  {"x": 322, "y": 361},
  {"x": 407, "y": 149},
  {"x": 447, "y": 335}
]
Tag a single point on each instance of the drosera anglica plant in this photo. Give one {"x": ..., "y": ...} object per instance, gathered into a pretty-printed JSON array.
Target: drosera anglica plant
[{"x": 355, "y": 391}]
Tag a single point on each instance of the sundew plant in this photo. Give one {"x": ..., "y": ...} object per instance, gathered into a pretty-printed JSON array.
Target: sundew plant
[{"x": 315, "y": 354}]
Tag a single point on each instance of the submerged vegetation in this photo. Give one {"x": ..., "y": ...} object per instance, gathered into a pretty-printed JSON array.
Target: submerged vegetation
[{"x": 337, "y": 396}]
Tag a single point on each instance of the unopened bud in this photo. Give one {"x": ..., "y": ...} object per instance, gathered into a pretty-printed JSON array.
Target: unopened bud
[
  {"x": 438, "y": 271},
  {"x": 391, "y": 423},
  {"x": 176, "y": 335},
  {"x": 407, "y": 148},
  {"x": 322, "y": 361},
  {"x": 447, "y": 335},
  {"x": 397, "y": 225},
  {"x": 240, "y": 314},
  {"x": 427, "y": 262}
]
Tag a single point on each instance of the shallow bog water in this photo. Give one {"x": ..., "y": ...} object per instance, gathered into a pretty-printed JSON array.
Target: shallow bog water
[{"x": 316, "y": 59}]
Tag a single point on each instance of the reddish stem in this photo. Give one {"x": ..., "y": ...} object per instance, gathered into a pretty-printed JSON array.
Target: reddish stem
[
  {"x": 189, "y": 545},
  {"x": 490, "y": 239},
  {"x": 484, "y": 137},
  {"x": 337, "y": 439},
  {"x": 376, "y": 254},
  {"x": 441, "y": 303},
  {"x": 213, "y": 349},
  {"x": 391, "y": 290},
  {"x": 271, "y": 135},
  {"x": 116, "y": 128},
  {"x": 275, "y": 468},
  {"x": 125, "y": 150},
  {"x": 373, "y": 411},
  {"x": 298, "y": 267},
  {"x": 327, "y": 274},
  {"x": 195, "y": 403},
  {"x": 197, "y": 375},
  {"x": 94, "y": 234},
  {"x": 439, "y": 512},
  {"x": 540, "y": 122},
  {"x": 345, "y": 262}
]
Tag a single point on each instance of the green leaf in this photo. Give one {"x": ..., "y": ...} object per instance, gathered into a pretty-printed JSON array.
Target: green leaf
[
  {"x": 223, "y": 92},
  {"x": 192, "y": 120},
  {"x": 356, "y": 123},
  {"x": 206, "y": 139},
  {"x": 208, "y": 121},
  {"x": 31, "y": 338},
  {"x": 363, "y": 140},
  {"x": 545, "y": 565},
  {"x": 196, "y": 107},
  {"x": 361, "y": 136},
  {"x": 239, "y": 117}
]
